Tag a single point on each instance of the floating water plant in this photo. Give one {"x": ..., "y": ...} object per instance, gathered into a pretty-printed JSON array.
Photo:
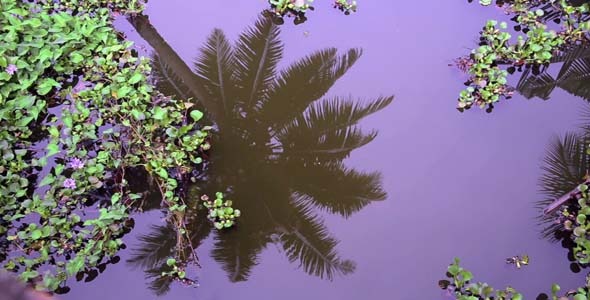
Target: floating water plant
[
  {"x": 221, "y": 212},
  {"x": 298, "y": 8},
  {"x": 499, "y": 54},
  {"x": 78, "y": 120}
]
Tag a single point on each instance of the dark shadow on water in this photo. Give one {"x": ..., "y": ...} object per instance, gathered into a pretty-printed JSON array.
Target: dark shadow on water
[
  {"x": 573, "y": 76},
  {"x": 277, "y": 154}
]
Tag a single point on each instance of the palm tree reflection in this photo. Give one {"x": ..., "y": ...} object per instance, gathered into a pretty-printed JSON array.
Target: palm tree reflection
[
  {"x": 278, "y": 154},
  {"x": 566, "y": 162},
  {"x": 573, "y": 76}
]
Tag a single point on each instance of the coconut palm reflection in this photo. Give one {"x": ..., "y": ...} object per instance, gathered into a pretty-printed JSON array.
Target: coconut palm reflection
[
  {"x": 278, "y": 154},
  {"x": 573, "y": 76},
  {"x": 565, "y": 166},
  {"x": 566, "y": 162}
]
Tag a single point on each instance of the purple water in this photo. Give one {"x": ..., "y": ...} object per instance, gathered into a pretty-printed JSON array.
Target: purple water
[{"x": 458, "y": 184}]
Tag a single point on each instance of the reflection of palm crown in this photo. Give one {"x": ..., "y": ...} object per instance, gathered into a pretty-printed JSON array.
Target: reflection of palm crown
[
  {"x": 564, "y": 167},
  {"x": 279, "y": 151},
  {"x": 573, "y": 76}
]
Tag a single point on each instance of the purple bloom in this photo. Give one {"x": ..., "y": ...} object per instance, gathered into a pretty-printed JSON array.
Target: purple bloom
[
  {"x": 70, "y": 183},
  {"x": 11, "y": 69},
  {"x": 76, "y": 163}
]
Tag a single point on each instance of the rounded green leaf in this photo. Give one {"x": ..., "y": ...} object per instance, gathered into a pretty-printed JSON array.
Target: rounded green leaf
[
  {"x": 170, "y": 262},
  {"x": 196, "y": 115},
  {"x": 36, "y": 234}
]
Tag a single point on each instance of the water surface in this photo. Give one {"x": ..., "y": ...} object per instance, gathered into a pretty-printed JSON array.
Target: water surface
[{"x": 457, "y": 184}]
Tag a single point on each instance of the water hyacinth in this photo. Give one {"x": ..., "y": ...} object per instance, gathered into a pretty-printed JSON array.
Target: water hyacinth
[
  {"x": 70, "y": 183},
  {"x": 44, "y": 105},
  {"x": 76, "y": 163},
  {"x": 221, "y": 212},
  {"x": 11, "y": 69}
]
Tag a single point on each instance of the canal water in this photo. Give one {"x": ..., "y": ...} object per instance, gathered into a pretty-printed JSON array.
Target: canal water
[{"x": 457, "y": 184}]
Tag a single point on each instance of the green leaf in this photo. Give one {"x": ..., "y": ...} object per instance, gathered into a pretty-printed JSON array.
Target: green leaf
[
  {"x": 46, "y": 85},
  {"x": 47, "y": 180},
  {"x": 52, "y": 149},
  {"x": 162, "y": 173},
  {"x": 67, "y": 120},
  {"x": 517, "y": 296},
  {"x": 135, "y": 78},
  {"x": 454, "y": 270},
  {"x": 171, "y": 262},
  {"x": 74, "y": 266},
  {"x": 34, "y": 22},
  {"x": 196, "y": 115},
  {"x": 582, "y": 187},
  {"x": 36, "y": 234},
  {"x": 466, "y": 275},
  {"x": 76, "y": 57},
  {"x": 27, "y": 275},
  {"x": 138, "y": 115},
  {"x": 24, "y": 101},
  {"x": 159, "y": 113},
  {"x": 579, "y": 231},
  {"x": 123, "y": 91},
  {"x": 115, "y": 198},
  {"x": 53, "y": 131},
  {"x": 44, "y": 54}
]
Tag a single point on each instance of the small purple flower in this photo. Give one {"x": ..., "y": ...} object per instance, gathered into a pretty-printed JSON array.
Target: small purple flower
[
  {"x": 76, "y": 163},
  {"x": 70, "y": 183},
  {"x": 11, "y": 69}
]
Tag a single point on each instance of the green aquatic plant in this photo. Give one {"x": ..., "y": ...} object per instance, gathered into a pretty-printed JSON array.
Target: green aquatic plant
[
  {"x": 298, "y": 8},
  {"x": 221, "y": 212},
  {"x": 499, "y": 54},
  {"x": 460, "y": 285},
  {"x": 567, "y": 221},
  {"x": 79, "y": 117},
  {"x": 574, "y": 220}
]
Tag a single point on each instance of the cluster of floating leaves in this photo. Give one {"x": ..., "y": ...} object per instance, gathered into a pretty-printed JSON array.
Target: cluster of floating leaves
[
  {"x": 221, "y": 212},
  {"x": 575, "y": 233},
  {"x": 498, "y": 54},
  {"x": 178, "y": 270},
  {"x": 297, "y": 9},
  {"x": 575, "y": 236},
  {"x": 77, "y": 116},
  {"x": 460, "y": 286}
]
